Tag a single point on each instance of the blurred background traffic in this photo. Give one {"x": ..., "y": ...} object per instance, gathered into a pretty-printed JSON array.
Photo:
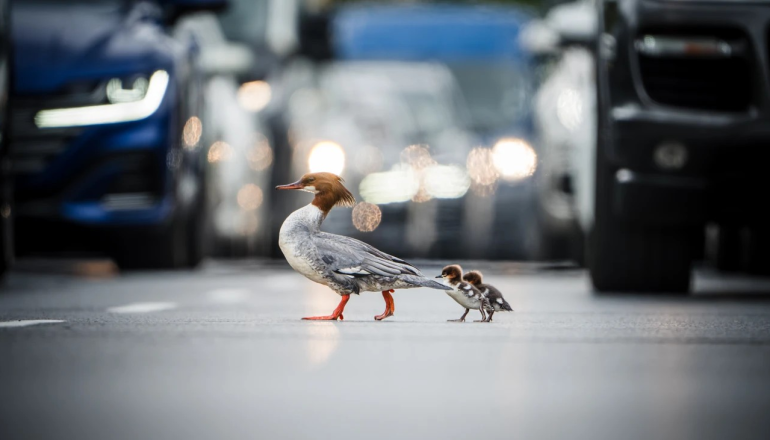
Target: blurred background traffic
[{"x": 153, "y": 132}]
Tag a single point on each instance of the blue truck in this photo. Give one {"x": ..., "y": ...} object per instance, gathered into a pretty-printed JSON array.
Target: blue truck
[
  {"x": 480, "y": 47},
  {"x": 105, "y": 130}
]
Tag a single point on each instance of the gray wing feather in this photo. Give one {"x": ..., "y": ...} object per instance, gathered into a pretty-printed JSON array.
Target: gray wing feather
[{"x": 340, "y": 253}]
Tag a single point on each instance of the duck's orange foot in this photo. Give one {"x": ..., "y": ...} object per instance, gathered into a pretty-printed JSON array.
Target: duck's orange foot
[
  {"x": 384, "y": 315},
  {"x": 336, "y": 314},
  {"x": 322, "y": 318},
  {"x": 390, "y": 305}
]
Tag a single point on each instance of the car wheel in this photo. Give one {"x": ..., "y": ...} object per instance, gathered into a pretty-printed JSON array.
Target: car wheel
[
  {"x": 197, "y": 232},
  {"x": 164, "y": 248},
  {"x": 625, "y": 257}
]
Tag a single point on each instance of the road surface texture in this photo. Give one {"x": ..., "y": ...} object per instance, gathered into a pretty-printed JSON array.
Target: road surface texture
[{"x": 221, "y": 353}]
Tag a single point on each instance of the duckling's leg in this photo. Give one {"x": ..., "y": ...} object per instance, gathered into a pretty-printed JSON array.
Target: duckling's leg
[
  {"x": 462, "y": 318},
  {"x": 390, "y": 305},
  {"x": 483, "y": 315},
  {"x": 337, "y": 313},
  {"x": 489, "y": 318}
]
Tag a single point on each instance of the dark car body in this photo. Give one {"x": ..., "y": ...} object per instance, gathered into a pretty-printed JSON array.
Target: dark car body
[
  {"x": 684, "y": 123},
  {"x": 6, "y": 211}
]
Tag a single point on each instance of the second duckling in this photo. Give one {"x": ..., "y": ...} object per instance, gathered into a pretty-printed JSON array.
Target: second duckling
[
  {"x": 464, "y": 293},
  {"x": 496, "y": 301}
]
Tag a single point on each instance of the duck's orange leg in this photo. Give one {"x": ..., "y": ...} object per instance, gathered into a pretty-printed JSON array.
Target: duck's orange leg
[
  {"x": 336, "y": 314},
  {"x": 390, "y": 305}
]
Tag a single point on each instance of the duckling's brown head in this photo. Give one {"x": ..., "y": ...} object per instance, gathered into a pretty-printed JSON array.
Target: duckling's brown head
[
  {"x": 474, "y": 277},
  {"x": 452, "y": 273},
  {"x": 328, "y": 189}
]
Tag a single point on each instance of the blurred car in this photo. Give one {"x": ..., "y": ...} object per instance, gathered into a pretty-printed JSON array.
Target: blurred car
[
  {"x": 105, "y": 131},
  {"x": 270, "y": 29},
  {"x": 6, "y": 226},
  {"x": 478, "y": 47},
  {"x": 236, "y": 138},
  {"x": 682, "y": 128},
  {"x": 564, "y": 111},
  {"x": 385, "y": 127}
]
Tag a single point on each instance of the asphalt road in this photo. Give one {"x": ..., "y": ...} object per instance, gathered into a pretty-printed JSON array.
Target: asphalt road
[{"x": 221, "y": 353}]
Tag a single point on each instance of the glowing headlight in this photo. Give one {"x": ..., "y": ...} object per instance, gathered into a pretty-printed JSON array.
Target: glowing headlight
[
  {"x": 129, "y": 105},
  {"x": 117, "y": 94},
  {"x": 326, "y": 156},
  {"x": 514, "y": 159}
]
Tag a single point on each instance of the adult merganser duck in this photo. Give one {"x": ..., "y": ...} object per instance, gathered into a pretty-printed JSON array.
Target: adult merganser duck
[
  {"x": 346, "y": 265},
  {"x": 464, "y": 293},
  {"x": 495, "y": 297}
]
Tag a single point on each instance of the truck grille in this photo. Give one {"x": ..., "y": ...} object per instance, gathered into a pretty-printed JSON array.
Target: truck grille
[{"x": 702, "y": 83}]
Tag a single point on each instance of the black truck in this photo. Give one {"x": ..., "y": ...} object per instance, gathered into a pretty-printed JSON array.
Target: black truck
[{"x": 683, "y": 100}]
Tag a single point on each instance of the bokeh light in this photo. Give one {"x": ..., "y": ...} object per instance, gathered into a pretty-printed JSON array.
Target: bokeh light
[
  {"x": 417, "y": 156},
  {"x": 446, "y": 181},
  {"x": 366, "y": 216},
  {"x": 250, "y": 197},
  {"x": 220, "y": 151},
  {"x": 481, "y": 168},
  {"x": 482, "y": 190},
  {"x": 397, "y": 185},
  {"x": 253, "y": 96},
  {"x": 260, "y": 155},
  {"x": 326, "y": 156},
  {"x": 192, "y": 131},
  {"x": 514, "y": 159}
]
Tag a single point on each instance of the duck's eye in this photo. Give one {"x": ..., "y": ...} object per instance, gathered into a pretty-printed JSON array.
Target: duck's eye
[{"x": 310, "y": 179}]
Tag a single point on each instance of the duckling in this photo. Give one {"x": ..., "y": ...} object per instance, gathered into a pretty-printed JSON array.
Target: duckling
[
  {"x": 464, "y": 293},
  {"x": 495, "y": 297},
  {"x": 346, "y": 265}
]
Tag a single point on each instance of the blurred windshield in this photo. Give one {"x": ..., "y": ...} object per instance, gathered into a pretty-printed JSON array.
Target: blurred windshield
[
  {"x": 496, "y": 94},
  {"x": 420, "y": 99},
  {"x": 245, "y": 20}
]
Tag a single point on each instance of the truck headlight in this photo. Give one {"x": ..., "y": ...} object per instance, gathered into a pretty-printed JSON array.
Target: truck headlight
[{"x": 126, "y": 105}]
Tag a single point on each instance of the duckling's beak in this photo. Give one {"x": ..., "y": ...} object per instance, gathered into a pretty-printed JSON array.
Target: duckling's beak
[
  {"x": 439, "y": 276},
  {"x": 295, "y": 185}
]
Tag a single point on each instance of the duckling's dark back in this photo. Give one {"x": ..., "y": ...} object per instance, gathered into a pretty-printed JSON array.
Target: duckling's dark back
[{"x": 495, "y": 296}]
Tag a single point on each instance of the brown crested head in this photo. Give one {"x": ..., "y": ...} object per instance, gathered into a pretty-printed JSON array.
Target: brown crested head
[
  {"x": 328, "y": 189},
  {"x": 453, "y": 272},
  {"x": 474, "y": 277}
]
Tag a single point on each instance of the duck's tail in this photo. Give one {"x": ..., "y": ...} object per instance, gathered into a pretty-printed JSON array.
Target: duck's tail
[{"x": 427, "y": 282}]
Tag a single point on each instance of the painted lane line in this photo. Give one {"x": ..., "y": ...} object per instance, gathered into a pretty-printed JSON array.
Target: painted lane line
[
  {"x": 28, "y": 322},
  {"x": 143, "y": 307},
  {"x": 229, "y": 296}
]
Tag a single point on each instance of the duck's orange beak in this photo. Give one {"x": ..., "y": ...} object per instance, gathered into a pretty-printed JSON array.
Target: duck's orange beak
[{"x": 296, "y": 185}]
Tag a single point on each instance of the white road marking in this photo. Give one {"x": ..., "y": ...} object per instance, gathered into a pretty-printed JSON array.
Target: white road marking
[
  {"x": 229, "y": 296},
  {"x": 143, "y": 307},
  {"x": 28, "y": 322}
]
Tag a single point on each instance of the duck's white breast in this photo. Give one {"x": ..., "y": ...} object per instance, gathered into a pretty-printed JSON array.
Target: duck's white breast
[{"x": 294, "y": 241}]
